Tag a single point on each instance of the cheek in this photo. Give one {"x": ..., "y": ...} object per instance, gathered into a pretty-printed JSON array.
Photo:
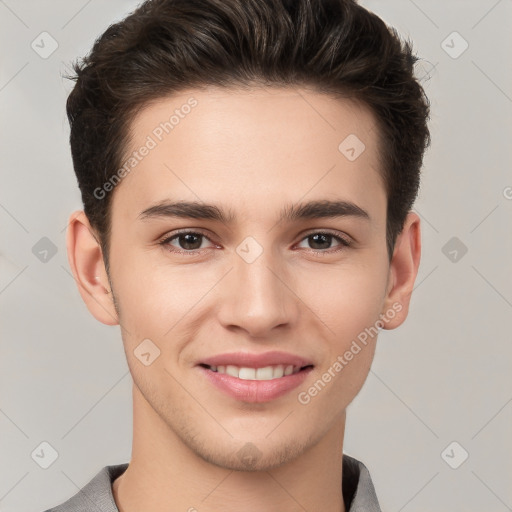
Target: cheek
[
  {"x": 347, "y": 305},
  {"x": 158, "y": 300},
  {"x": 345, "y": 299}
]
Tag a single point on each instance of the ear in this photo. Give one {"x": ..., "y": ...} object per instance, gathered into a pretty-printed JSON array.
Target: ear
[
  {"x": 86, "y": 261},
  {"x": 402, "y": 272}
]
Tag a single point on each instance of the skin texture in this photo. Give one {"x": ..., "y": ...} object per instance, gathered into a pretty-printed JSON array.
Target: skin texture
[{"x": 251, "y": 152}]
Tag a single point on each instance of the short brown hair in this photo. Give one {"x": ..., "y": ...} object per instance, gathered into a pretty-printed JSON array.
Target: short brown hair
[{"x": 166, "y": 46}]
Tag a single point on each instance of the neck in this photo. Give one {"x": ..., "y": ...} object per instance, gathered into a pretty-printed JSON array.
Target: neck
[{"x": 164, "y": 474}]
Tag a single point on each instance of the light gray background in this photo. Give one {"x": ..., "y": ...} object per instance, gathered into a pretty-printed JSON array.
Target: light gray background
[{"x": 444, "y": 376}]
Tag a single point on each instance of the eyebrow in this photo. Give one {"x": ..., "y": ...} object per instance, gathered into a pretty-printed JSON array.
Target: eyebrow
[{"x": 292, "y": 212}]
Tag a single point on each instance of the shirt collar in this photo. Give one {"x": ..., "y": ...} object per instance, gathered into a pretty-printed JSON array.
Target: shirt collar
[{"x": 358, "y": 491}]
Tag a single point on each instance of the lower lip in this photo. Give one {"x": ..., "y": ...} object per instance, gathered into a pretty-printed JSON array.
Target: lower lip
[{"x": 255, "y": 390}]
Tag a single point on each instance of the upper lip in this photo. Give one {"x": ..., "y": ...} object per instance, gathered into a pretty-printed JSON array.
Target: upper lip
[{"x": 253, "y": 360}]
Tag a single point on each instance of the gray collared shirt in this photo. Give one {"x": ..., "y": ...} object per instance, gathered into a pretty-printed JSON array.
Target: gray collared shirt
[{"x": 96, "y": 496}]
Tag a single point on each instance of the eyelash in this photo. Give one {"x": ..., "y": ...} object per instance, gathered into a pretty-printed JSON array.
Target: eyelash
[{"x": 344, "y": 242}]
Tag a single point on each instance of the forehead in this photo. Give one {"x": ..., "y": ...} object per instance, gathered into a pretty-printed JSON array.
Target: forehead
[
  {"x": 250, "y": 147},
  {"x": 222, "y": 112}
]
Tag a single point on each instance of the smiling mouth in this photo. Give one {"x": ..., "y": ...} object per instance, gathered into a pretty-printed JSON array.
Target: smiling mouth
[{"x": 264, "y": 373}]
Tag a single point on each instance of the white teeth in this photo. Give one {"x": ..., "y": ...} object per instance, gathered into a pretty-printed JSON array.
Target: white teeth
[
  {"x": 232, "y": 370},
  {"x": 265, "y": 373},
  {"x": 278, "y": 371},
  {"x": 247, "y": 374}
]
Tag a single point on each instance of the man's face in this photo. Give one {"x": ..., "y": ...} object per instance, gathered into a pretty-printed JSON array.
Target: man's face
[{"x": 250, "y": 283}]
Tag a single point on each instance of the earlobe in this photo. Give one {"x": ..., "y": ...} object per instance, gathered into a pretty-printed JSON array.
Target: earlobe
[
  {"x": 86, "y": 261},
  {"x": 402, "y": 272}
]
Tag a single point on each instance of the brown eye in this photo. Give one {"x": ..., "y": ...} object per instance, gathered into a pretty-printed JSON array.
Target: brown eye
[
  {"x": 184, "y": 241},
  {"x": 321, "y": 241},
  {"x": 189, "y": 241}
]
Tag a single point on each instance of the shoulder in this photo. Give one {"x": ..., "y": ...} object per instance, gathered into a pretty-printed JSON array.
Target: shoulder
[
  {"x": 358, "y": 490},
  {"x": 96, "y": 495}
]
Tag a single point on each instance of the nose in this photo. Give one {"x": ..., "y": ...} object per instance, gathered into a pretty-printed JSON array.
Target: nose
[{"x": 258, "y": 297}]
